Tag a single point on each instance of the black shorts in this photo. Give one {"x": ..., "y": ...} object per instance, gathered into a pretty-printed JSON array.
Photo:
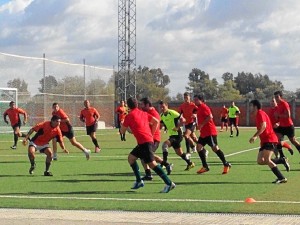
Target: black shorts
[
  {"x": 268, "y": 146},
  {"x": 224, "y": 120},
  {"x": 155, "y": 145},
  {"x": 69, "y": 134},
  {"x": 190, "y": 126},
  {"x": 91, "y": 129},
  {"x": 18, "y": 124},
  {"x": 288, "y": 131},
  {"x": 144, "y": 152},
  {"x": 175, "y": 141},
  {"x": 209, "y": 140},
  {"x": 232, "y": 121}
]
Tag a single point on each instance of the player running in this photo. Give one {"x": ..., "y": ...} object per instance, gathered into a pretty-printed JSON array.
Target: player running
[
  {"x": 13, "y": 114},
  {"x": 45, "y": 132},
  {"x": 208, "y": 135},
  {"x": 90, "y": 116},
  {"x": 67, "y": 130}
]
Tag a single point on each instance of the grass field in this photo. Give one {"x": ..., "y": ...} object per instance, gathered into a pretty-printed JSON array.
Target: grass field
[{"x": 104, "y": 182}]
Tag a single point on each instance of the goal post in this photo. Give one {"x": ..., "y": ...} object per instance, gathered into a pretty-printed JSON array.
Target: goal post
[{"x": 8, "y": 94}]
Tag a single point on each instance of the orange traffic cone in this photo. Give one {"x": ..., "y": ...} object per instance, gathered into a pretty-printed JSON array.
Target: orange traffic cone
[{"x": 250, "y": 200}]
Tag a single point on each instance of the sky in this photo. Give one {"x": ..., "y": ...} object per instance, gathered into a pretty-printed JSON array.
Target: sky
[{"x": 216, "y": 36}]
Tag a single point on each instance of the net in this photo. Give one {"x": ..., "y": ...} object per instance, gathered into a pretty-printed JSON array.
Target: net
[{"x": 67, "y": 84}]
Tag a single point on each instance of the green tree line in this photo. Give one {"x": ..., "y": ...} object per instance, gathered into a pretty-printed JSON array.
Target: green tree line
[{"x": 154, "y": 83}]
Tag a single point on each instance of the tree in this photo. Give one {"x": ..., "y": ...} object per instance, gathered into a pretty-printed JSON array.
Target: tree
[
  {"x": 227, "y": 76},
  {"x": 152, "y": 83},
  {"x": 199, "y": 82},
  {"x": 49, "y": 84},
  {"x": 227, "y": 91},
  {"x": 21, "y": 85}
]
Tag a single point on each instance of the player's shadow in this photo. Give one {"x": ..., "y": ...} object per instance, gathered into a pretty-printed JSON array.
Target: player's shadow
[
  {"x": 72, "y": 193},
  {"x": 105, "y": 174},
  {"x": 220, "y": 183}
]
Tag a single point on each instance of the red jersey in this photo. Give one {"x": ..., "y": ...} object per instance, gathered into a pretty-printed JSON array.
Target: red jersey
[
  {"x": 121, "y": 110},
  {"x": 45, "y": 133},
  {"x": 224, "y": 112},
  {"x": 209, "y": 129},
  {"x": 271, "y": 115},
  {"x": 282, "y": 108},
  {"x": 268, "y": 135},
  {"x": 138, "y": 121},
  {"x": 152, "y": 111},
  {"x": 13, "y": 115},
  {"x": 89, "y": 115},
  {"x": 188, "y": 109},
  {"x": 63, "y": 125}
]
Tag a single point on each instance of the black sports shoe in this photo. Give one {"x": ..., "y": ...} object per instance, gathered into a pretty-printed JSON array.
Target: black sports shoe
[
  {"x": 169, "y": 168},
  {"x": 48, "y": 174},
  {"x": 31, "y": 169},
  {"x": 13, "y": 147},
  {"x": 286, "y": 164},
  {"x": 291, "y": 151},
  {"x": 147, "y": 177}
]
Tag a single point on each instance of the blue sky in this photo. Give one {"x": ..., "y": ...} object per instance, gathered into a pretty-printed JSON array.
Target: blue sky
[{"x": 216, "y": 36}]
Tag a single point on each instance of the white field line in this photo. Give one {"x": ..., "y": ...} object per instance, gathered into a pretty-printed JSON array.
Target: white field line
[{"x": 142, "y": 200}]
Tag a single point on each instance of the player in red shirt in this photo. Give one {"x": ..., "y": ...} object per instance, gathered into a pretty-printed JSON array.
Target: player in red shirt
[
  {"x": 268, "y": 140},
  {"x": 285, "y": 125},
  {"x": 208, "y": 135},
  {"x": 274, "y": 122},
  {"x": 143, "y": 127},
  {"x": 121, "y": 111},
  {"x": 45, "y": 131},
  {"x": 146, "y": 105},
  {"x": 13, "y": 114},
  {"x": 67, "y": 130},
  {"x": 187, "y": 111},
  {"x": 224, "y": 118},
  {"x": 90, "y": 116}
]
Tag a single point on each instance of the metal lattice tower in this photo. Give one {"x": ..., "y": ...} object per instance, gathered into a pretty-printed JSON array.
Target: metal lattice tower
[{"x": 125, "y": 77}]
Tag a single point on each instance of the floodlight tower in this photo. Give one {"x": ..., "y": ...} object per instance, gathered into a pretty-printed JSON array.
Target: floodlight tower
[{"x": 125, "y": 78}]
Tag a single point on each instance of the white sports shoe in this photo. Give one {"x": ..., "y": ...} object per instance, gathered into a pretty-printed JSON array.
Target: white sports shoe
[
  {"x": 168, "y": 188},
  {"x": 194, "y": 149},
  {"x": 87, "y": 153}
]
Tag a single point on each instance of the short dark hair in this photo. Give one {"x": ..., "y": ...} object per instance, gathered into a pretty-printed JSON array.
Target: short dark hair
[
  {"x": 278, "y": 93},
  {"x": 200, "y": 97},
  {"x": 146, "y": 101},
  {"x": 55, "y": 118},
  {"x": 256, "y": 103},
  {"x": 132, "y": 103},
  {"x": 161, "y": 102},
  {"x": 12, "y": 102},
  {"x": 55, "y": 103},
  {"x": 186, "y": 94}
]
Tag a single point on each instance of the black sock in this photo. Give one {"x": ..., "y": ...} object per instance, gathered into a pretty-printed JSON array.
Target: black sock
[
  {"x": 187, "y": 145},
  {"x": 165, "y": 157},
  {"x": 136, "y": 171},
  {"x": 48, "y": 166},
  {"x": 159, "y": 171},
  {"x": 220, "y": 154},
  {"x": 277, "y": 173},
  {"x": 148, "y": 172},
  {"x": 95, "y": 142},
  {"x": 279, "y": 148},
  {"x": 16, "y": 137},
  {"x": 203, "y": 158},
  {"x": 183, "y": 156}
]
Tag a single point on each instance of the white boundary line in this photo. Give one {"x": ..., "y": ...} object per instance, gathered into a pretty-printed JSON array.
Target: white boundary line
[{"x": 142, "y": 200}]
